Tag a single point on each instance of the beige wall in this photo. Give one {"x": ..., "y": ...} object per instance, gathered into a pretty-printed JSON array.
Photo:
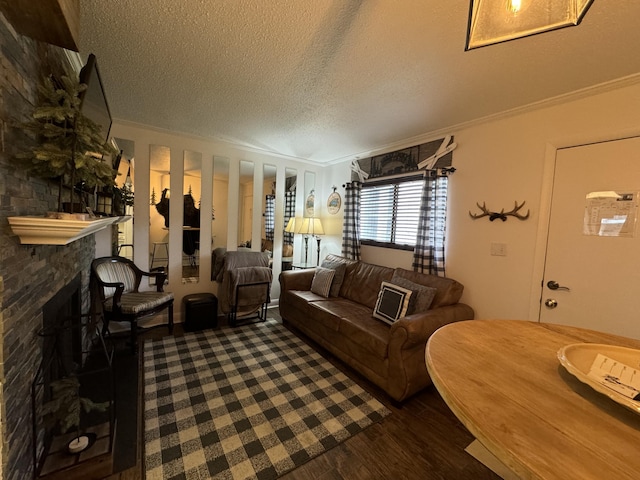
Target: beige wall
[
  {"x": 498, "y": 161},
  {"x": 505, "y": 160}
]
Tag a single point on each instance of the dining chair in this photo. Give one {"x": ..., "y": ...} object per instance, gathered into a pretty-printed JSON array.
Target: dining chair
[{"x": 116, "y": 282}]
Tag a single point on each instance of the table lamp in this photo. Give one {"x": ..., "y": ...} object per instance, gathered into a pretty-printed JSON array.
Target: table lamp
[
  {"x": 291, "y": 225},
  {"x": 310, "y": 226}
]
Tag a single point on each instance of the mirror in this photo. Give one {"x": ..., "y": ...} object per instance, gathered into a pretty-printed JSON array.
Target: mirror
[
  {"x": 309, "y": 190},
  {"x": 220, "y": 202},
  {"x": 123, "y": 197},
  {"x": 159, "y": 167},
  {"x": 268, "y": 208},
  {"x": 219, "y": 220},
  {"x": 192, "y": 188},
  {"x": 245, "y": 204},
  {"x": 309, "y": 211},
  {"x": 290, "y": 187}
]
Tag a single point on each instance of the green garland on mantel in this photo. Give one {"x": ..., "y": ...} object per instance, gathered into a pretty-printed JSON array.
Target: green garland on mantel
[{"x": 69, "y": 145}]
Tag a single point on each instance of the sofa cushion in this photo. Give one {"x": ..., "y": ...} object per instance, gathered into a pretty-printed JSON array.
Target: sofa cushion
[
  {"x": 362, "y": 283},
  {"x": 366, "y": 332},
  {"x": 347, "y": 262},
  {"x": 449, "y": 291},
  {"x": 340, "y": 268},
  {"x": 331, "y": 311},
  {"x": 421, "y": 295},
  {"x": 138, "y": 302},
  {"x": 337, "y": 258},
  {"x": 393, "y": 303},
  {"x": 322, "y": 279},
  {"x": 301, "y": 299}
]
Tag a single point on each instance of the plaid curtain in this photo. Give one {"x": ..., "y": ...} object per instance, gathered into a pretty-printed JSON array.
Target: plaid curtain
[
  {"x": 351, "y": 226},
  {"x": 428, "y": 256},
  {"x": 269, "y": 216},
  {"x": 289, "y": 211}
]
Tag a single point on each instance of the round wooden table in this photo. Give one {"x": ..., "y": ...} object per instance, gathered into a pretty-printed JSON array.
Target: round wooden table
[{"x": 503, "y": 380}]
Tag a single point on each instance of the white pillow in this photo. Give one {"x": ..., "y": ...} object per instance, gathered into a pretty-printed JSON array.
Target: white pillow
[
  {"x": 321, "y": 283},
  {"x": 392, "y": 304}
]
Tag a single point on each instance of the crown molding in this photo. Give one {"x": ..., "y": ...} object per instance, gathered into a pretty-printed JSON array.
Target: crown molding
[
  {"x": 226, "y": 145},
  {"x": 548, "y": 102},
  {"x": 407, "y": 142}
]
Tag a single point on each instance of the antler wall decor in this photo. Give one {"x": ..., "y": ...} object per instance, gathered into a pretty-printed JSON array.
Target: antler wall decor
[{"x": 502, "y": 215}]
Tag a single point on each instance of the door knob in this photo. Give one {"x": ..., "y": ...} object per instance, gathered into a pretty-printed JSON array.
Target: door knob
[
  {"x": 550, "y": 303},
  {"x": 553, "y": 285}
]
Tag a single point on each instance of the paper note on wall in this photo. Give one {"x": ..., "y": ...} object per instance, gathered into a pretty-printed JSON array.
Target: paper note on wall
[{"x": 610, "y": 214}]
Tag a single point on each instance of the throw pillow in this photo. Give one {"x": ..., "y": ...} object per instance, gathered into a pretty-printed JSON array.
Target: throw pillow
[
  {"x": 340, "y": 269},
  {"x": 421, "y": 297},
  {"x": 392, "y": 304},
  {"x": 321, "y": 283}
]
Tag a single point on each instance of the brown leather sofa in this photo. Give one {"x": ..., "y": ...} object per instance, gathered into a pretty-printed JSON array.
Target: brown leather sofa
[{"x": 391, "y": 356}]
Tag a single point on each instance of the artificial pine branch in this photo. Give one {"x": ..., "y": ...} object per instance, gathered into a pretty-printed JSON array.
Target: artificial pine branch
[
  {"x": 70, "y": 145},
  {"x": 66, "y": 404}
]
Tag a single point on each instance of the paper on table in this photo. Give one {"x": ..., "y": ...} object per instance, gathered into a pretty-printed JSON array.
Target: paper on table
[{"x": 616, "y": 375}]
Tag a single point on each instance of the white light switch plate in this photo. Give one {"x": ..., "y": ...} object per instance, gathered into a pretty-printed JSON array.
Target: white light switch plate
[{"x": 499, "y": 249}]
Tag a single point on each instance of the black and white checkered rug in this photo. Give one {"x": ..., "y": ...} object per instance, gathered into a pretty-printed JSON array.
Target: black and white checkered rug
[{"x": 248, "y": 402}]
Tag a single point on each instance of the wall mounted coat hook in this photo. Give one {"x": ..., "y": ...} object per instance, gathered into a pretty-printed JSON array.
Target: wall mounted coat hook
[{"x": 502, "y": 215}]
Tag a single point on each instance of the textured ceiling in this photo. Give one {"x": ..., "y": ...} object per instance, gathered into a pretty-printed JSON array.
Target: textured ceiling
[{"x": 333, "y": 79}]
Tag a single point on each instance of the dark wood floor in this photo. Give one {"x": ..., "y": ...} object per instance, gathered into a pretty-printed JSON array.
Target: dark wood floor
[{"x": 421, "y": 440}]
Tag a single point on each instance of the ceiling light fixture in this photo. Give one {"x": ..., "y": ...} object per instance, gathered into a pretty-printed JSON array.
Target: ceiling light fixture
[{"x": 496, "y": 21}]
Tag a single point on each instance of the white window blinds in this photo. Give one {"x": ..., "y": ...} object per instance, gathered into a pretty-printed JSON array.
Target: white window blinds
[{"x": 389, "y": 212}]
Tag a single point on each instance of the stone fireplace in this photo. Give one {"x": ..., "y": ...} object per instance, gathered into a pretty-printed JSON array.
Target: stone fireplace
[
  {"x": 60, "y": 352},
  {"x": 70, "y": 348},
  {"x": 36, "y": 279},
  {"x": 64, "y": 306},
  {"x": 30, "y": 275}
]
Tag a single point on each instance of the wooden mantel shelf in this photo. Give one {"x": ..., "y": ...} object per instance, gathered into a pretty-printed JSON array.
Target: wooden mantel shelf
[
  {"x": 53, "y": 231},
  {"x": 53, "y": 21}
]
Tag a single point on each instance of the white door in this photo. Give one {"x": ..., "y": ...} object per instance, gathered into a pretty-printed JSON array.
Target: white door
[{"x": 595, "y": 270}]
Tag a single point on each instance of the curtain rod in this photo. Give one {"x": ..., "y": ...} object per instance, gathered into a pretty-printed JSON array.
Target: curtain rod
[
  {"x": 444, "y": 172},
  {"x": 415, "y": 173}
]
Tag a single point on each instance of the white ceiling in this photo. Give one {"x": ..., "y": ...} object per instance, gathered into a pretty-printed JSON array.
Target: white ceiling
[{"x": 334, "y": 79}]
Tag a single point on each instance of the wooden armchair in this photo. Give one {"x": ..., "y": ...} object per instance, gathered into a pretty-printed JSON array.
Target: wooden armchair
[{"x": 116, "y": 282}]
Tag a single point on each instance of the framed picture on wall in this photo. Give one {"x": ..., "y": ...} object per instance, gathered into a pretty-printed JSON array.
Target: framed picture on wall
[
  {"x": 334, "y": 202},
  {"x": 309, "y": 205}
]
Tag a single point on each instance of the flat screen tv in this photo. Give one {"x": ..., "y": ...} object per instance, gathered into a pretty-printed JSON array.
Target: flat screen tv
[{"x": 93, "y": 101}]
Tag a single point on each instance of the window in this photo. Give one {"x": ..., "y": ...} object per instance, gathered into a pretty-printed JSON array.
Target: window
[{"x": 390, "y": 212}]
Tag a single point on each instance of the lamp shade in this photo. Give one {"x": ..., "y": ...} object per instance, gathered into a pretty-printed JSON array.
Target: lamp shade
[
  {"x": 310, "y": 226},
  {"x": 291, "y": 225},
  {"x": 495, "y": 21}
]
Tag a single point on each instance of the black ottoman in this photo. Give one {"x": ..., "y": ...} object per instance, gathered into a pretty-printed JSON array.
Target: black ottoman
[{"x": 201, "y": 311}]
